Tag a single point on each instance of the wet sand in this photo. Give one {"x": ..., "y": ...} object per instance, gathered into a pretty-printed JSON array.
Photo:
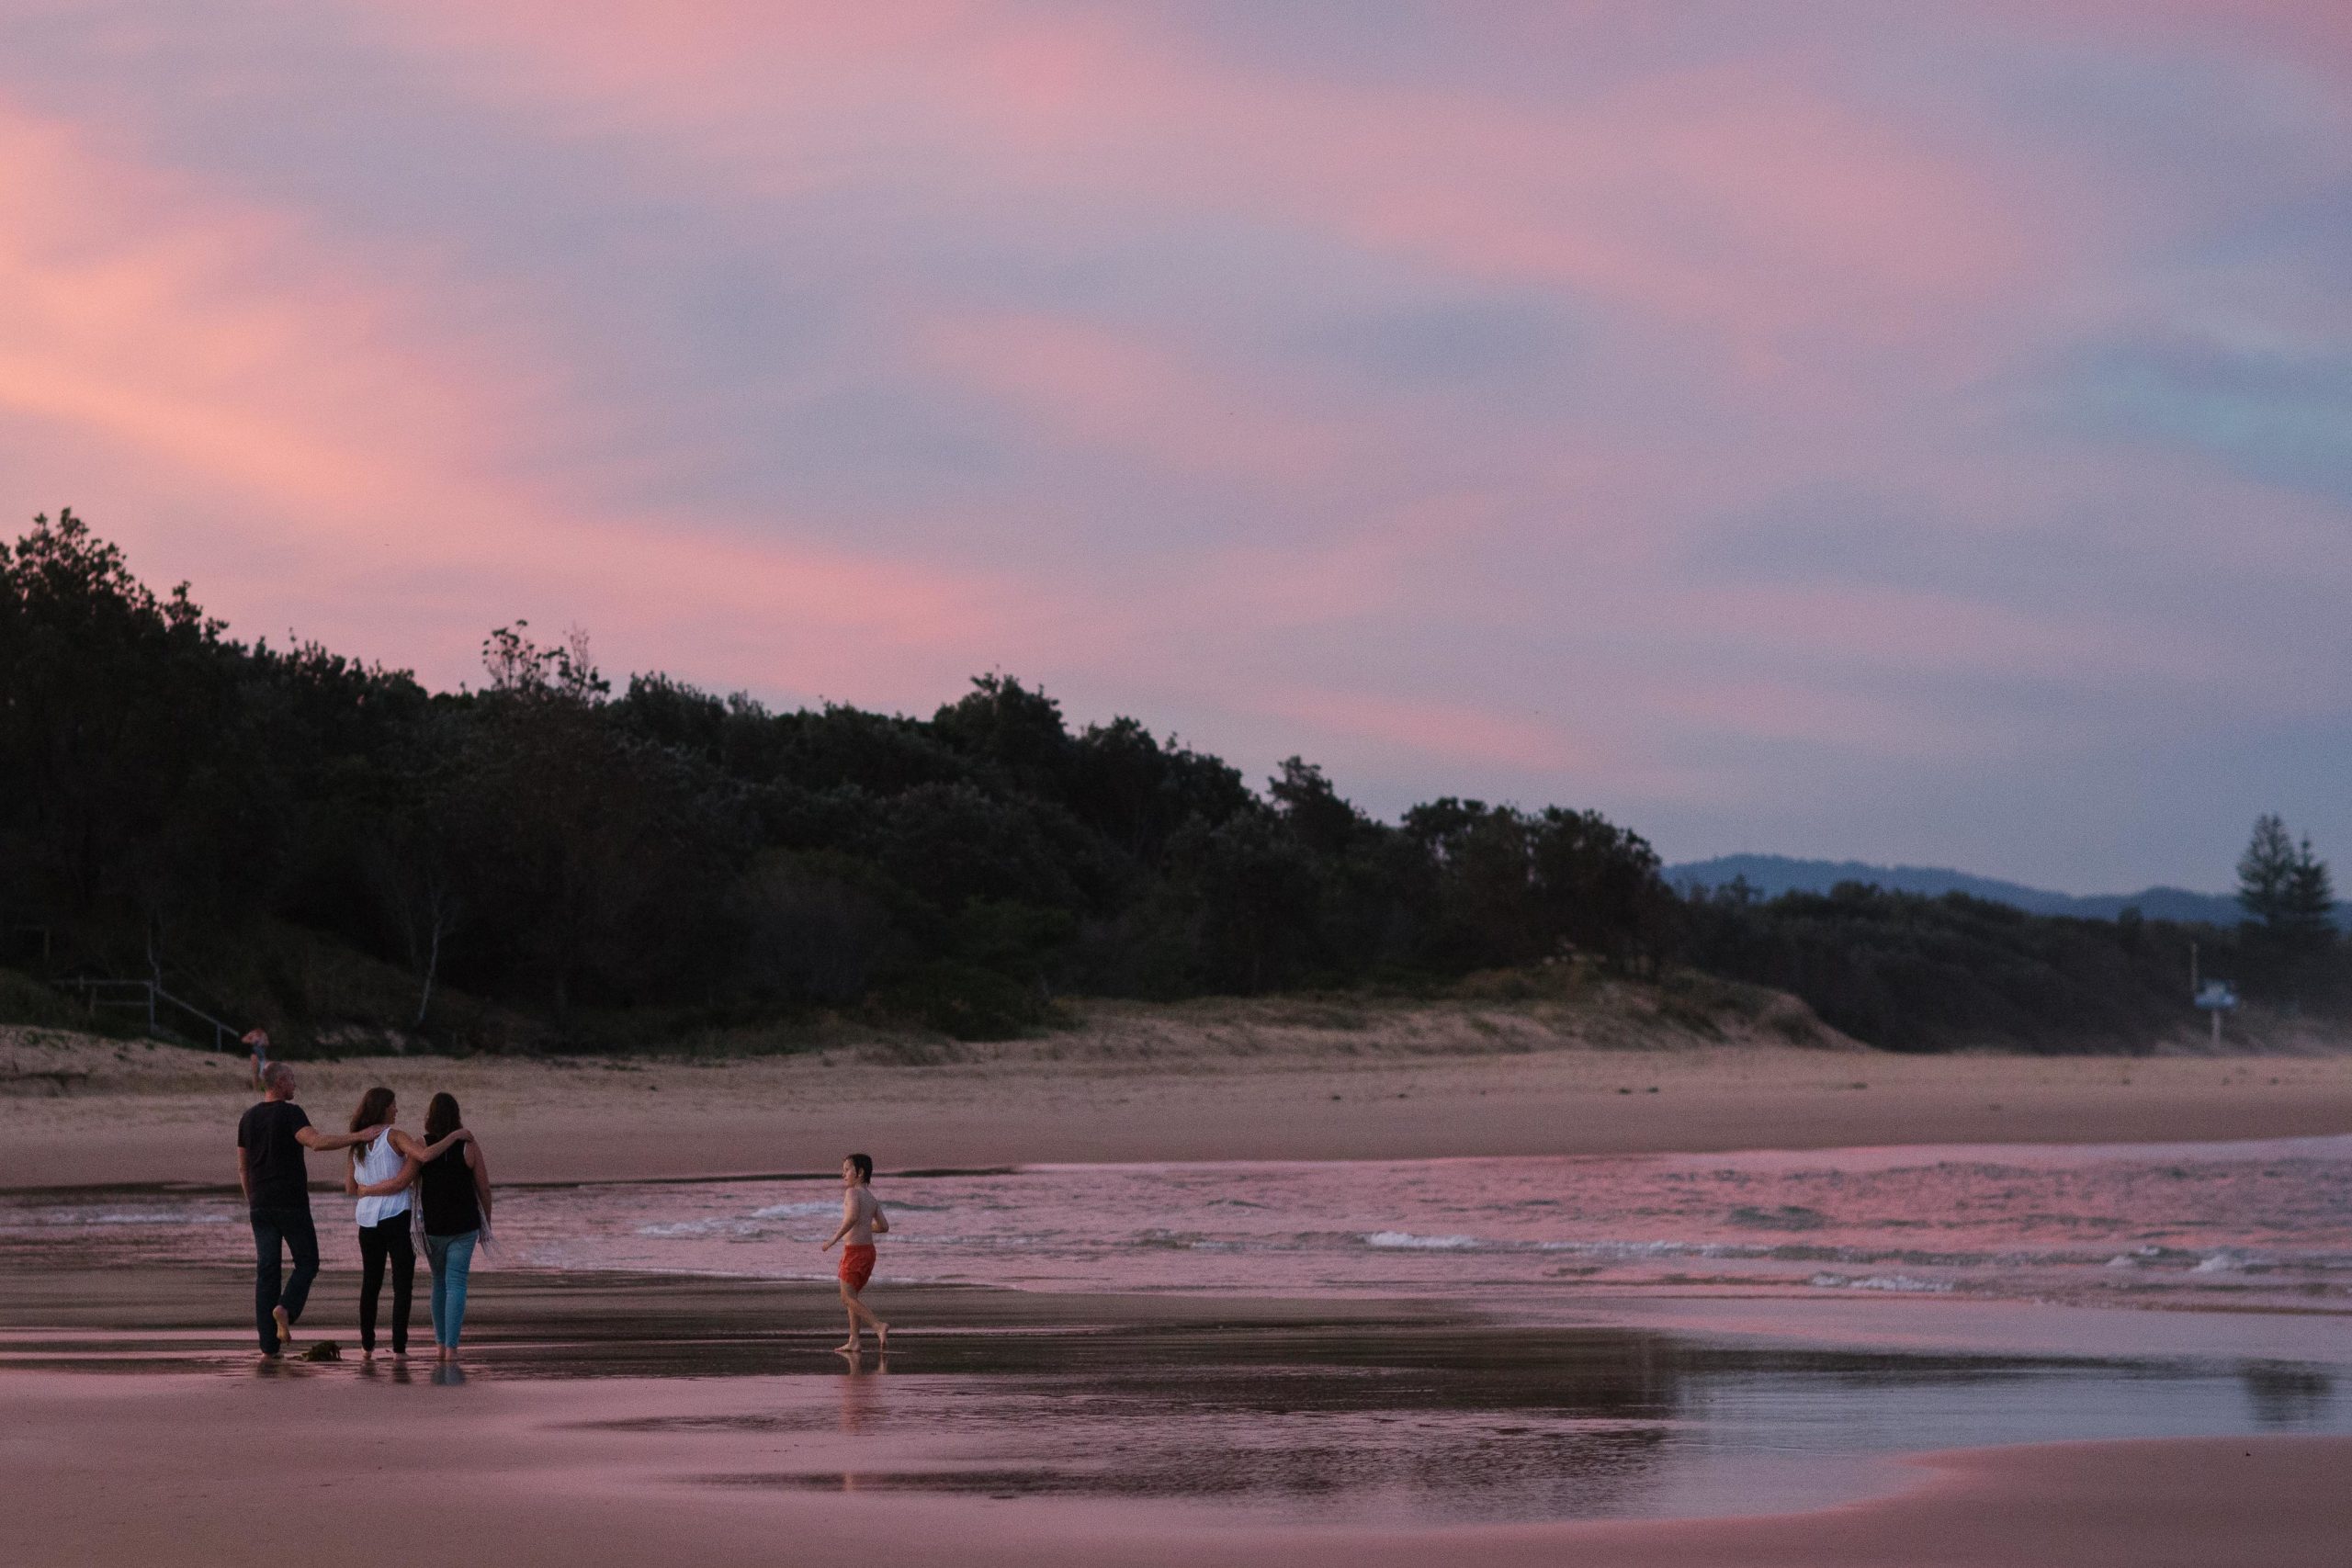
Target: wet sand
[
  {"x": 83, "y": 1112},
  {"x": 622, "y": 1420},
  {"x": 203, "y": 1472},
  {"x": 208, "y": 1469}
]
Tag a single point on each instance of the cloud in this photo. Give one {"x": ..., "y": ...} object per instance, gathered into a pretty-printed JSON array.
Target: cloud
[
  {"x": 218, "y": 356},
  {"x": 2280, "y": 413},
  {"x": 1690, "y": 410}
]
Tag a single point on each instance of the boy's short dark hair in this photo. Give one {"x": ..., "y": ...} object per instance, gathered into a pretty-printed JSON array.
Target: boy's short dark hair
[{"x": 865, "y": 1163}]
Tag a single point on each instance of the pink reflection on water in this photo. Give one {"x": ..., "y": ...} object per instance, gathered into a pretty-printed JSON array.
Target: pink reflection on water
[{"x": 2225, "y": 1225}]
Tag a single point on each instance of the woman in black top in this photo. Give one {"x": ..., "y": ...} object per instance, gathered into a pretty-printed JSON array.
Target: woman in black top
[{"x": 453, "y": 1193}]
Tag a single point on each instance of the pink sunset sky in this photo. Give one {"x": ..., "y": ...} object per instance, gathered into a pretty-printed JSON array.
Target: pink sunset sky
[{"x": 1910, "y": 433}]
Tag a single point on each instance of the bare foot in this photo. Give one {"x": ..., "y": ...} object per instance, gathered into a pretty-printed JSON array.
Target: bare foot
[
  {"x": 285, "y": 1329},
  {"x": 881, "y": 1336},
  {"x": 850, "y": 1348},
  {"x": 367, "y": 1355}
]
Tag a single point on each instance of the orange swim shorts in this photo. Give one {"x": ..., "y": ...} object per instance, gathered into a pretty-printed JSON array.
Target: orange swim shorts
[{"x": 857, "y": 1267}]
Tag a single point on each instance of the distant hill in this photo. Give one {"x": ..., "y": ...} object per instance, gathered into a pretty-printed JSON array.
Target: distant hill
[{"x": 1774, "y": 875}]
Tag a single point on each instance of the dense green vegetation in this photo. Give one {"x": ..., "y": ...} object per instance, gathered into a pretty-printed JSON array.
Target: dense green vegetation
[
  {"x": 237, "y": 819},
  {"x": 1912, "y": 973},
  {"x": 289, "y": 838},
  {"x": 1919, "y": 974}
]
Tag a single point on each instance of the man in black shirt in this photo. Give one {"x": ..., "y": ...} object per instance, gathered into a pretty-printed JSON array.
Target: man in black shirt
[{"x": 271, "y": 1139}]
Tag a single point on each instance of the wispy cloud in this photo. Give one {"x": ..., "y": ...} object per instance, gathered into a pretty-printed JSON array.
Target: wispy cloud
[{"x": 1827, "y": 426}]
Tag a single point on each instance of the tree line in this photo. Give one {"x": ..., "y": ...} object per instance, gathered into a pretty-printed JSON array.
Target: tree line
[
  {"x": 300, "y": 839},
  {"x": 178, "y": 802}
]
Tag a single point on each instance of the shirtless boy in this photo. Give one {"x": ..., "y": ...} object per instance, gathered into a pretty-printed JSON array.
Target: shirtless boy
[{"x": 862, "y": 1220}]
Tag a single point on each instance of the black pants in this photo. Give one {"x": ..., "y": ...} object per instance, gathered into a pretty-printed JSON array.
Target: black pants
[
  {"x": 289, "y": 1228},
  {"x": 387, "y": 1239}
]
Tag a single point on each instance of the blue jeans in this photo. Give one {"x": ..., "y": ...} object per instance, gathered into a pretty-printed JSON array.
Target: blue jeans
[
  {"x": 452, "y": 1258},
  {"x": 290, "y": 1230}
]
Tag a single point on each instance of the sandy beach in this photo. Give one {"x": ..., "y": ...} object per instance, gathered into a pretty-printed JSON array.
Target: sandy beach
[
  {"x": 1207, "y": 1086},
  {"x": 619, "y": 1417}
]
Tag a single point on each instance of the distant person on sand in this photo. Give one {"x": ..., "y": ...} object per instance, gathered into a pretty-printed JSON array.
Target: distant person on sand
[
  {"x": 392, "y": 1158},
  {"x": 271, "y": 1139},
  {"x": 862, "y": 1220},
  {"x": 452, "y": 1184}
]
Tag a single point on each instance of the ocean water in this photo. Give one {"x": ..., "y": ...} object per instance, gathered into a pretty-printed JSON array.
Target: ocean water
[
  {"x": 1612, "y": 1367},
  {"x": 2254, "y": 1226}
]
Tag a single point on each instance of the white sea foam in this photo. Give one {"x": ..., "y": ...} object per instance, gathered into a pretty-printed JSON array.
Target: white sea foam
[
  {"x": 1420, "y": 1243},
  {"x": 1905, "y": 1284},
  {"x": 1639, "y": 1250},
  {"x": 672, "y": 1230},
  {"x": 2227, "y": 1260}
]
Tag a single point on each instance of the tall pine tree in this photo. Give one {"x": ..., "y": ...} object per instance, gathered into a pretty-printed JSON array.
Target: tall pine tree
[
  {"x": 2286, "y": 889},
  {"x": 2266, "y": 871},
  {"x": 2306, "y": 926}
]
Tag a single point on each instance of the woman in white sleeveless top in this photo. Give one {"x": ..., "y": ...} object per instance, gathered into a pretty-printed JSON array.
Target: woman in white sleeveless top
[{"x": 383, "y": 1219}]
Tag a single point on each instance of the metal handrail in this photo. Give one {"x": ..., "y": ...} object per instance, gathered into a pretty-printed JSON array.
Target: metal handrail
[{"x": 148, "y": 993}]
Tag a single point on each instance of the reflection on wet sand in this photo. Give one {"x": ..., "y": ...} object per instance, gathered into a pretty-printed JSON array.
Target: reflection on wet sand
[
  {"x": 1407, "y": 1422},
  {"x": 859, "y": 1401},
  {"x": 2286, "y": 1397},
  {"x": 1359, "y": 1412}
]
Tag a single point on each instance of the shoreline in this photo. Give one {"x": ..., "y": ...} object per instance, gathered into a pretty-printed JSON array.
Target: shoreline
[{"x": 332, "y": 1192}]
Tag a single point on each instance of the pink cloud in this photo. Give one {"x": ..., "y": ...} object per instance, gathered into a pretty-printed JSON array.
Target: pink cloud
[
  {"x": 2310, "y": 33},
  {"x": 219, "y": 356},
  {"x": 1456, "y": 732},
  {"x": 1127, "y": 391},
  {"x": 1739, "y": 197},
  {"x": 1780, "y": 284}
]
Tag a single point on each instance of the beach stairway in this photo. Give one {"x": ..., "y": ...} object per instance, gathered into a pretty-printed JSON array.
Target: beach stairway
[
  {"x": 167, "y": 1016},
  {"x": 164, "y": 1017}
]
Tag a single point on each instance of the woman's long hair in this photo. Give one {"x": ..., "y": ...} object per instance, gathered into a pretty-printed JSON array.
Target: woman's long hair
[
  {"x": 442, "y": 1117},
  {"x": 374, "y": 1106}
]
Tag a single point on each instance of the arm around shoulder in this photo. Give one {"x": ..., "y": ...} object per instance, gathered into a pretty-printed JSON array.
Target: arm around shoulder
[
  {"x": 390, "y": 1184},
  {"x": 425, "y": 1153}
]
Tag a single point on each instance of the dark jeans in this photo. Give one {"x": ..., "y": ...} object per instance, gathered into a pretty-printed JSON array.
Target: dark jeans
[
  {"x": 378, "y": 1243},
  {"x": 289, "y": 1228}
]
